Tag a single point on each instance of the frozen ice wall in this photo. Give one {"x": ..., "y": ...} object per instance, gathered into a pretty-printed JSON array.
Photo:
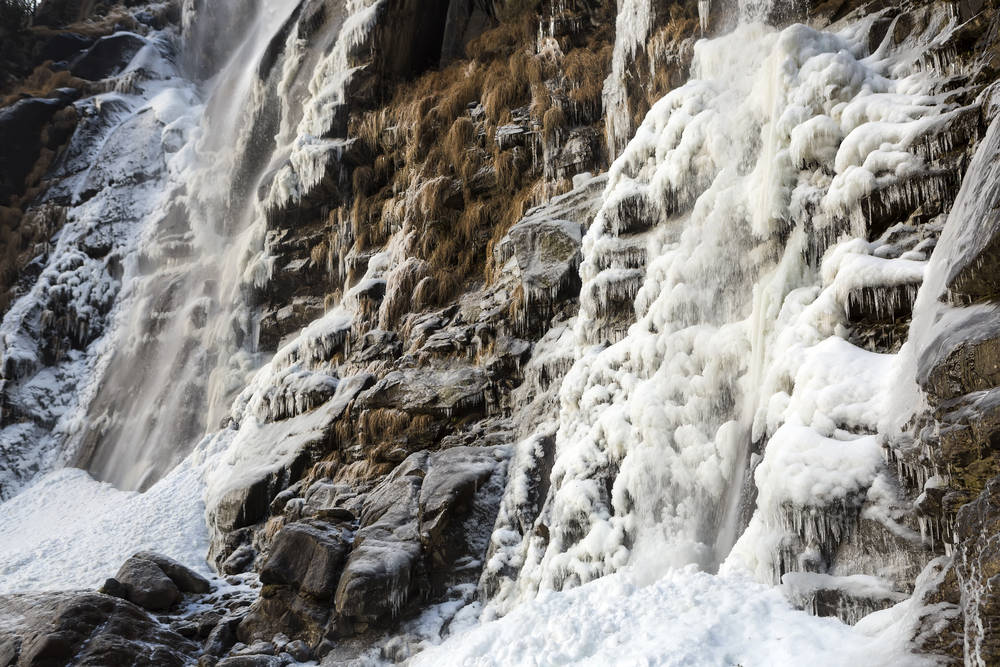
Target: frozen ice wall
[{"x": 711, "y": 341}]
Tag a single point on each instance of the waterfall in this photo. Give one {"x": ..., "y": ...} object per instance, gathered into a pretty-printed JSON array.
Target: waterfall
[{"x": 184, "y": 346}]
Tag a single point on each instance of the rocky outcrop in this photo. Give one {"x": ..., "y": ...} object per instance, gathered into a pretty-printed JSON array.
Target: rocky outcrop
[
  {"x": 344, "y": 562},
  {"x": 85, "y": 629}
]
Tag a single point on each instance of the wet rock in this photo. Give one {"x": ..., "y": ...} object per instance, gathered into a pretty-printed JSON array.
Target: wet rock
[
  {"x": 977, "y": 563},
  {"x": 85, "y": 629},
  {"x": 307, "y": 555},
  {"x": 186, "y": 579},
  {"x": 279, "y": 322},
  {"x": 223, "y": 635},
  {"x": 974, "y": 272},
  {"x": 964, "y": 357},
  {"x": 147, "y": 585},
  {"x": 250, "y": 661},
  {"x": 448, "y": 488},
  {"x": 376, "y": 580},
  {"x": 108, "y": 56},
  {"x": 969, "y": 443},
  {"x": 460, "y": 391},
  {"x": 239, "y": 560}
]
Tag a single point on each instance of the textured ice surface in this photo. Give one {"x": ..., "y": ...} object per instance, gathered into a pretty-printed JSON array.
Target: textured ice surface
[
  {"x": 685, "y": 618},
  {"x": 728, "y": 186}
]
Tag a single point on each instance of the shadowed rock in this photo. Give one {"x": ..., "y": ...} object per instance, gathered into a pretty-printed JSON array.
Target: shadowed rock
[
  {"x": 85, "y": 628},
  {"x": 147, "y": 585}
]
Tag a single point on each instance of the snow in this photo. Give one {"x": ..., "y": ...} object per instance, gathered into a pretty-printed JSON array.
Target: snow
[
  {"x": 68, "y": 531},
  {"x": 686, "y": 617}
]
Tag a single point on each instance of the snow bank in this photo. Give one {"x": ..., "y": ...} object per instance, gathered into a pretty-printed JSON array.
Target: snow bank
[
  {"x": 68, "y": 531},
  {"x": 685, "y": 618}
]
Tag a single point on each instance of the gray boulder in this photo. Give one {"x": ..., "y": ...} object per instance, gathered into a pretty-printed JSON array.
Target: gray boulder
[
  {"x": 307, "y": 555},
  {"x": 147, "y": 585},
  {"x": 186, "y": 579}
]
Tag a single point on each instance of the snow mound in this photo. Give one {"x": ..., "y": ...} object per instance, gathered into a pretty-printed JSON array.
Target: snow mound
[
  {"x": 68, "y": 531},
  {"x": 685, "y": 618}
]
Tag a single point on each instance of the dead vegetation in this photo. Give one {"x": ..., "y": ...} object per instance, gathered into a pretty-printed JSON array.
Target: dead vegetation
[
  {"x": 42, "y": 82},
  {"x": 434, "y": 165}
]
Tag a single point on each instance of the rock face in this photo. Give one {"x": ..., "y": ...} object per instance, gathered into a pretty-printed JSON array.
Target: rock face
[
  {"x": 85, "y": 629},
  {"x": 349, "y": 561}
]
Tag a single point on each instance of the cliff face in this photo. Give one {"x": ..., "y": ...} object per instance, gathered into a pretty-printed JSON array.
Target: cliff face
[{"x": 446, "y": 303}]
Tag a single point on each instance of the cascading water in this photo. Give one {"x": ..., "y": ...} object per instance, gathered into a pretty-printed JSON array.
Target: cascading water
[{"x": 186, "y": 344}]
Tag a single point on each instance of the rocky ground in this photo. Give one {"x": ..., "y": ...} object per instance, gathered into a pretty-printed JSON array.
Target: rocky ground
[{"x": 388, "y": 506}]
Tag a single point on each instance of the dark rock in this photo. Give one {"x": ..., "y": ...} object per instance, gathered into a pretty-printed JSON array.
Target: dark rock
[
  {"x": 308, "y": 556},
  {"x": 59, "y": 12},
  {"x": 114, "y": 588},
  {"x": 63, "y": 45},
  {"x": 974, "y": 272},
  {"x": 223, "y": 636},
  {"x": 20, "y": 134},
  {"x": 147, "y": 585},
  {"x": 299, "y": 650},
  {"x": 186, "y": 579},
  {"x": 376, "y": 581},
  {"x": 239, "y": 560},
  {"x": 250, "y": 661},
  {"x": 963, "y": 362},
  {"x": 448, "y": 488},
  {"x": 461, "y": 391},
  {"x": 86, "y": 629},
  {"x": 107, "y": 56},
  {"x": 282, "y": 609}
]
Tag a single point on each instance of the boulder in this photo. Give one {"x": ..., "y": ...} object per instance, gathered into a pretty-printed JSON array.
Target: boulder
[
  {"x": 107, "y": 56},
  {"x": 85, "y": 628},
  {"x": 308, "y": 556},
  {"x": 147, "y": 585},
  {"x": 186, "y": 579}
]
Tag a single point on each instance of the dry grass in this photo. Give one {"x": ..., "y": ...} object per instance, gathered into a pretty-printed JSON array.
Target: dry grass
[
  {"x": 42, "y": 81},
  {"x": 553, "y": 123},
  {"x": 586, "y": 71},
  {"x": 432, "y": 163}
]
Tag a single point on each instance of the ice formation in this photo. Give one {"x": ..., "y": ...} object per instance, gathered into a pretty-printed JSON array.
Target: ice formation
[{"x": 713, "y": 219}]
